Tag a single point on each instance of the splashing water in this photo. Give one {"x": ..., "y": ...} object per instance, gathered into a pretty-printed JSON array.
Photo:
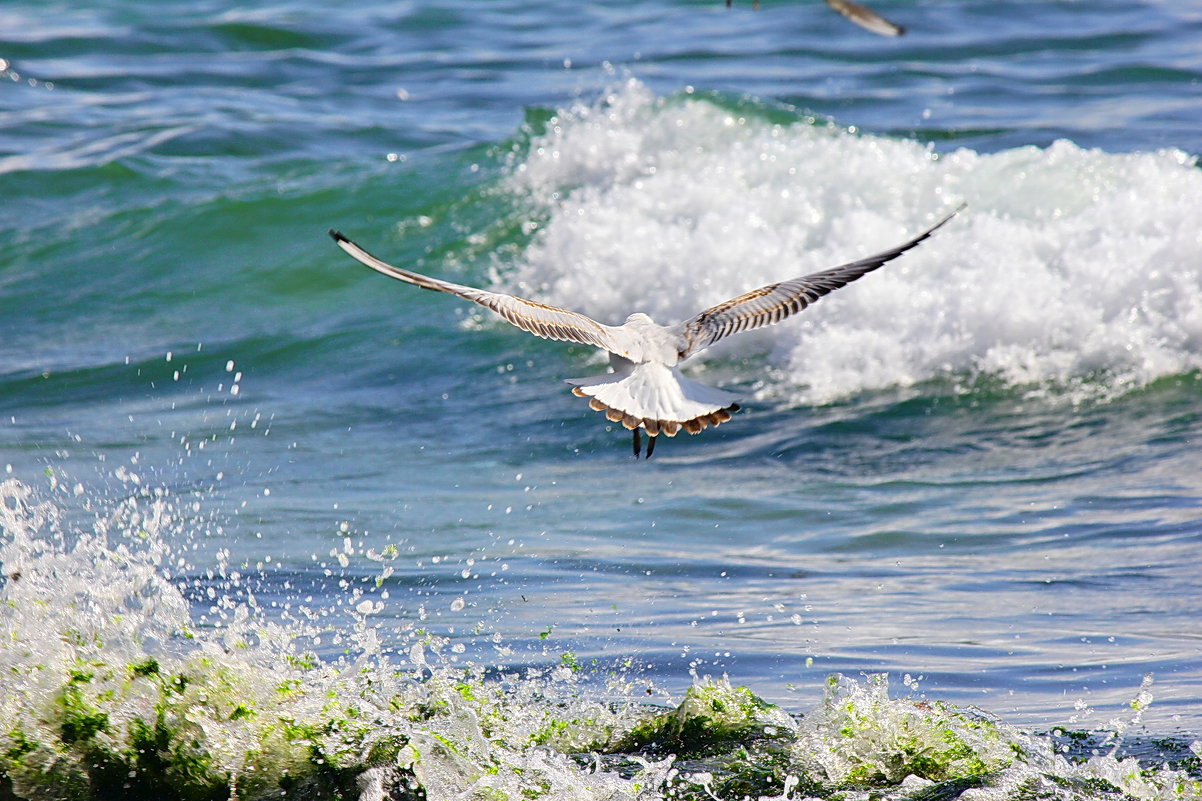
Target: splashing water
[
  {"x": 1069, "y": 267},
  {"x": 112, "y": 688}
]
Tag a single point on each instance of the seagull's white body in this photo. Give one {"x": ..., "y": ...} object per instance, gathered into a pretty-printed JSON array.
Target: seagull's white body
[{"x": 646, "y": 389}]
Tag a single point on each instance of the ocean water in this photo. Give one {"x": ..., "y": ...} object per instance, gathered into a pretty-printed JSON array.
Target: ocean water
[{"x": 274, "y": 525}]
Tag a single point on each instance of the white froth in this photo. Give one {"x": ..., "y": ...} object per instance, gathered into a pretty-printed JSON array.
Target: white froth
[{"x": 1068, "y": 265}]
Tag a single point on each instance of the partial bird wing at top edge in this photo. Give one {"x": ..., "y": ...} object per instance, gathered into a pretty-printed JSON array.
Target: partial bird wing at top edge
[
  {"x": 866, "y": 18},
  {"x": 773, "y": 303},
  {"x": 549, "y": 322}
]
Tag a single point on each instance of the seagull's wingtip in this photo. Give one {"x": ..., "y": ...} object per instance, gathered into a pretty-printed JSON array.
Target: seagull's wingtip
[{"x": 336, "y": 235}]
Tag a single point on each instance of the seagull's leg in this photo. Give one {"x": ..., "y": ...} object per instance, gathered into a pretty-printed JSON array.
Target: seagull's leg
[
  {"x": 638, "y": 446},
  {"x": 650, "y": 446}
]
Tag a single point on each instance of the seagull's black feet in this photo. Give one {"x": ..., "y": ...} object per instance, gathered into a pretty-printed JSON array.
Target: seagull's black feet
[{"x": 637, "y": 444}]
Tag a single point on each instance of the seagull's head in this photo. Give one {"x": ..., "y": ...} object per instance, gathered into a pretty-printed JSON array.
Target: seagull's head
[{"x": 639, "y": 319}]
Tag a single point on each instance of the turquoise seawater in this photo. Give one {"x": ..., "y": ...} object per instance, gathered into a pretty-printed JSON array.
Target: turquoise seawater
[{"x": 275, "y": 524}]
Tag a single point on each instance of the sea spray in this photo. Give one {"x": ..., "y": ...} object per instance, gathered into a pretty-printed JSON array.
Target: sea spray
[
  {"x": 110, "y": 689},
  {"x": 107, "y": 685},
  {"x": 113, "y": 689}
]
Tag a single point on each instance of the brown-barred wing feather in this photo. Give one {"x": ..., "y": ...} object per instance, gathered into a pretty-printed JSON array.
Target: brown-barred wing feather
[
  {"x": 773, "y": 303},
  {"x": 866, "y": 18},
  {"x": 548, "y": 322}
]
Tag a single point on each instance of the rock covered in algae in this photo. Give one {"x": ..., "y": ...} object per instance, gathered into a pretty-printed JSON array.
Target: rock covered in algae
[
  {"x": 860, "y": 736},
  {"x": 860, "y": 744},
  {"x": 712, "y": 717}
]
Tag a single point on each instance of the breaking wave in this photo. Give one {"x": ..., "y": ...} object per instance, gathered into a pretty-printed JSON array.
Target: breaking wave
[{"x": 1069, "y": 267}]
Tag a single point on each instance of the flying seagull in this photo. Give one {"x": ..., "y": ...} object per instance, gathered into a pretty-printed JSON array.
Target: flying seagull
[
  {"x": 645, "y": 389},
  {"x": 860, "y": 15}
]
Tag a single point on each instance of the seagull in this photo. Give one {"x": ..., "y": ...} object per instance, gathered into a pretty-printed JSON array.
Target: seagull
[
  {"x": 644, "y": 389},
  {"x": 860, "y": 15}
]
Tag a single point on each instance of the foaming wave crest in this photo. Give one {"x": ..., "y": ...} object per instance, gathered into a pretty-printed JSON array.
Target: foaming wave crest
[{"x": 1069, "y": 267}]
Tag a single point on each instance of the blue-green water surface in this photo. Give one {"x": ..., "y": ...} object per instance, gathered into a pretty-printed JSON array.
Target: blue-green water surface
[{"x": 977, "y": 470}]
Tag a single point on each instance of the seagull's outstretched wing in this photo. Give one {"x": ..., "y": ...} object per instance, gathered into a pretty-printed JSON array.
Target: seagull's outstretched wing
[
  {"x": 541, "y": 320},
  {"x": 773, "y": 303},
  {"x": 866, "y": 18}
]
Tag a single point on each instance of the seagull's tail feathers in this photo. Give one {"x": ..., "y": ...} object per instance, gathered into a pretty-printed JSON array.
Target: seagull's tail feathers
[{"x": 656, "y": 398}]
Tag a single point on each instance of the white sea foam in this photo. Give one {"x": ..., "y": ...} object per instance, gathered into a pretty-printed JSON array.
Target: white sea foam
[{"x": 1069, "y": 266}]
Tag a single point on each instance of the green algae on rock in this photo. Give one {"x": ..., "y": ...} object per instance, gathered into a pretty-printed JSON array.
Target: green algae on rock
[{"x": 714, "y": 716}]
